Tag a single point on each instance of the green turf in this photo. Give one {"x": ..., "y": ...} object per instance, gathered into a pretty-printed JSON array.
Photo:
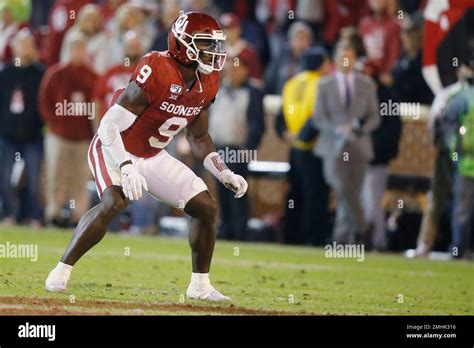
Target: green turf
[{"x": 266, "y": 277}]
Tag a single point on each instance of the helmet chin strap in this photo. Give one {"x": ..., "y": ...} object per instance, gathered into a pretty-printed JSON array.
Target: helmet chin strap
[{"x": 198, "y": 80}]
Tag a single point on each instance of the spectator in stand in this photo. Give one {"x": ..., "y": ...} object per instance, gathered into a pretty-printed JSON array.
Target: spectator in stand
[
  {"x": 89, "y": 23},
  {"x": 273, "y": 17},
  {"x": 117, "y": 76},
  {"x": 307, "y": 220},
  {"x": 151, "y": 12},
  {"x": 273, "y": 13},
  {"x": 40, "y": 12},
  {"x": 253, "y": 30},
  {"x": 312, "y": 13},
  {"x": 204, "y": 6},
  {"x": 257, "y": 21},
  {"x": 169, "y": 12},
  {"x": 236, "y": 46},
  {"x": 339, "y": 14},
  {"x": 13, "y": 17},
  {"x": 288, "y": 63},
  {"x": 237, "y": 133},
  {"x": 412, "y": 6},
  {"x": 381, "y": 34},
  {"x": 20, "y": 131},
  {"x": 127, "y": 18},
  {"x": 385, "y": 140},
  {"x": 408, "y": 82},
  {"x": 66, "y": 107},
  {"x": 352, "y": 36},
  {"x": 108, "y": 9},
  {"x": 61, "y": 18}
]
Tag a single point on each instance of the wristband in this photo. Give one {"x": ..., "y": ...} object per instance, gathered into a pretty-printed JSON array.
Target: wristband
[
  {"x": 124, "y": 163},
  {"x": 215, "y": 164}
]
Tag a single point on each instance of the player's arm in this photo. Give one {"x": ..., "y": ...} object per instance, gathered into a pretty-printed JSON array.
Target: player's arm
[
  {"x": 203, "y": 148},
  {"x": 198, "y": 137},
  {"x": 118, "y": 118}
]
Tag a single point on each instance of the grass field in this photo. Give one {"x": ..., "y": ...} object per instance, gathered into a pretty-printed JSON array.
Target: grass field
[{"x": 149, "y": 275}]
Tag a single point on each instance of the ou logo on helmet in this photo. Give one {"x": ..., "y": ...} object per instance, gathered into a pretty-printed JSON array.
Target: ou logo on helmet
[{"x": 181, "y": 24}]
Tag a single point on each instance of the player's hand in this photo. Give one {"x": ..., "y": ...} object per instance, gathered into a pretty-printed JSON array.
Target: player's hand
[
  {"x": 235, "y": 183},
  {"x": 133, "y": 182}
]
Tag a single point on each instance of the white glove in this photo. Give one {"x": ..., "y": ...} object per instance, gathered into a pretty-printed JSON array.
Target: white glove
[
  {"x": 132, "y": 182},
  {"x": 234, "y": 182},
  {"x": 214, "y": 163}
]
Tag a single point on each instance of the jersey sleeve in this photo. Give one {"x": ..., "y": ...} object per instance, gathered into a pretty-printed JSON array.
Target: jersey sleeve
[{"x": 146, "y": 75}]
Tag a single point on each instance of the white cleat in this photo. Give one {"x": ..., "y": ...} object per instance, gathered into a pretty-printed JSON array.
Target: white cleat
[
  {"x": 208, "y": 294},
  {"x": 56, "y": 281}
]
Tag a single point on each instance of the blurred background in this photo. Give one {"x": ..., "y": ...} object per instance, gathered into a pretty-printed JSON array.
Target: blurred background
[{"x": 66, "y": 54}]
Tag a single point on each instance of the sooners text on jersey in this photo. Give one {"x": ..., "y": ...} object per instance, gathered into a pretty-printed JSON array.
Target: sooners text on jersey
[{"x": 171, "y": 106}]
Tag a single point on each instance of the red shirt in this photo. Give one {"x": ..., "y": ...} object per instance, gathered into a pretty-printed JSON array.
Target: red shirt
[
  {"x": 115, "y": 78},
  {"x": 246, "y": 50},
  {"x": 341, "y": 13},
  {"x": 382, "y": 42},
  {"x": 65, "y": 101},
  {"x": 171, "y": 107},
  {"x": 61, "y": 18}
]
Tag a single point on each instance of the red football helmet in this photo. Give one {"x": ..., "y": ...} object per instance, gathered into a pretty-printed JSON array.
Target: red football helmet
[{"x": 196, "y": 36}]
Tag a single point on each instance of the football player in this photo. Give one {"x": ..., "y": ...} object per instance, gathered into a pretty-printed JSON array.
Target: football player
[{"x": 169, "y": 91}]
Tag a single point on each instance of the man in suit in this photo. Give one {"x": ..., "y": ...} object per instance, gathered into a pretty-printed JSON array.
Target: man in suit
[{"x": 346, "y": 112}]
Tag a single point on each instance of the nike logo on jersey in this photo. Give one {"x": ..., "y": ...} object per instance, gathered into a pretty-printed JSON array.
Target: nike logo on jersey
[{"x": 180, "y": 110}]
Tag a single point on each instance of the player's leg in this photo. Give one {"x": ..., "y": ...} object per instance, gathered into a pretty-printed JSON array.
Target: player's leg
[
  {"x": 90, "y": 230},
  {"x": 78, "y": 185},
  {"x": 202, "y": 232},
  {"x": 202, "y": 237},
  {"x": 93, "y": 224},
  {"x": 174, "y": 184}
]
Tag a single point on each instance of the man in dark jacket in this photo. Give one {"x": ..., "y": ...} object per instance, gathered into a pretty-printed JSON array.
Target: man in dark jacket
[
  {"x": 409, "y": 85},
  {"x": 20, "y": 133},
  {"x": 288, "y": 63}
]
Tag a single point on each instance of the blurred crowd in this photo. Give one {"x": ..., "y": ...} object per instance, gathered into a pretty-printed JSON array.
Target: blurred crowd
[{"x": 62, "y": 60}]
